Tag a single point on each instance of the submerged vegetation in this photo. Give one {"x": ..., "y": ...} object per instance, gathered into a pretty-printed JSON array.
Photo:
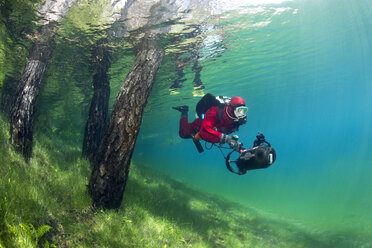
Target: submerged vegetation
[{"x": 45, "y": 203}]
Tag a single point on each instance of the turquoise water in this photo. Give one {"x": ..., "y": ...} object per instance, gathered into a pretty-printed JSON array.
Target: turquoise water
[{"x": 304, "y": 69}]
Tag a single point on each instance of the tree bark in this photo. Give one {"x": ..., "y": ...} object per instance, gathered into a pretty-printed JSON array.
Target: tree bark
[
  {"x": 111, "y": 167},
  {"x": 96, "y": 122},
  {"x": 23, "y": 110},
  {"x": 8, "y": 94}
]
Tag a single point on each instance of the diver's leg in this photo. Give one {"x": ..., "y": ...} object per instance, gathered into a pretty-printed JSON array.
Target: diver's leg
[
  {"x": 185, "y": 128},
  {"x": 185, "y": 131}
]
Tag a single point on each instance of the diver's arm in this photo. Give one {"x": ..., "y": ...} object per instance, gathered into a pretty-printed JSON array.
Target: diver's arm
[{"x": 207, "y": 132}]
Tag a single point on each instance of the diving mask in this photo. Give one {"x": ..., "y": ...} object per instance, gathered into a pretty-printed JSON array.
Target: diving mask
[{"x": 241, "y": 111}]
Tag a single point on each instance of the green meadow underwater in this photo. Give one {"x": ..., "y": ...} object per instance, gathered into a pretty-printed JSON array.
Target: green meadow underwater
[{"x": 303, "y": 68}]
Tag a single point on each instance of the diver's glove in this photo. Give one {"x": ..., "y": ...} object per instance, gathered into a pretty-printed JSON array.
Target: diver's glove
[{"x": 233, "y": 141}]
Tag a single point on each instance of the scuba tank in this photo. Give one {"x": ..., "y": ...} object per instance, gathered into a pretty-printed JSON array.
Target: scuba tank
[{"x": 208, "y": 101}]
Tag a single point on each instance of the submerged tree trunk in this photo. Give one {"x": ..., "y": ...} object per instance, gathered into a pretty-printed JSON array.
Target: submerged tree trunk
[
  {"x": 23, "y": 110},
  {"x": 8, "y": 94},
  {"x": 111, "y": 166},
  {"x": 96, "y": 122}
]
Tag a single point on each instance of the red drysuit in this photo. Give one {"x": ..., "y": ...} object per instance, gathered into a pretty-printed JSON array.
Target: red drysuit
[{"x": 210, "y": 129}]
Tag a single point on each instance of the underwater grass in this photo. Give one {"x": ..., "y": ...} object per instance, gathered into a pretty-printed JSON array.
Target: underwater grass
[{"x": 45, "y": 203}]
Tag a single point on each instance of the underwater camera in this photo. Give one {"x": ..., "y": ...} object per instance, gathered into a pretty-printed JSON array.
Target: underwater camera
[{"x": 260, "y": 156}]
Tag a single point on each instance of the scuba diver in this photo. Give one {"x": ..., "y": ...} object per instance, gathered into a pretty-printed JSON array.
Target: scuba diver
[{"x": 216, "y": 118}]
